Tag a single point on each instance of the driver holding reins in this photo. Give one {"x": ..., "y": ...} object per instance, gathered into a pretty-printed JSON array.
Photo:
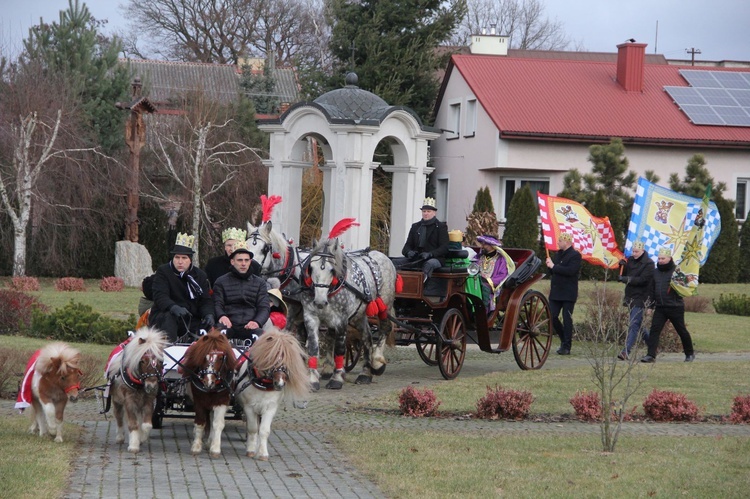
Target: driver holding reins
[{"x": 182, "y": 302}]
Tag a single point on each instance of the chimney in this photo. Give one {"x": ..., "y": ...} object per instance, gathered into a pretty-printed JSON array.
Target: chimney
[
  {"x": 630, "y": 60},
  {"x": 491, "y": 44}
]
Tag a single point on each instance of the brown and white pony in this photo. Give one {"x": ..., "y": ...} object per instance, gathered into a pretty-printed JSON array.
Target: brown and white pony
[
  {"x": 136, "y": 374},
  {"x": 209, "y": 364},
  {"x": 276, "y": 371},
  {"x": 56, "y": 380}
]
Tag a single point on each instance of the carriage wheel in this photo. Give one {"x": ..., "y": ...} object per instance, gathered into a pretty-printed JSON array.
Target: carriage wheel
[
  {"x": 352, "y": 354},
  {"x": 451, "y": 344},
  {"x": 532, "y": 339},
  {"x": 427, "y": 347}
]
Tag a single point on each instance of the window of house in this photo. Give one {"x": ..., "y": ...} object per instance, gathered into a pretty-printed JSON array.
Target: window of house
[
  {"x": 742, "y": 198},
  {"x": 471, "y": 118},
  {"x": 454, "y": 121},
  {"x": 513, "y": 184}
]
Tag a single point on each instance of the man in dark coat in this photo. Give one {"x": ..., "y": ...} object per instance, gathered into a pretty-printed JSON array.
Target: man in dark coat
[
  {"x": 638, "y": 276},
  {"x": 563, "y": 292},
  {"x": 220, "y": 265},
  {"x": 668, "y": 306},
  {"x": 427, "y": 242},
  {"x": 241, "y": 298},
  {"x": 181, "y": 293}
]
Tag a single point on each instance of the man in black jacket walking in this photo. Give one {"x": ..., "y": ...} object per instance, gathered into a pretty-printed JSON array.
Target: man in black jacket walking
[
  {"x": 427, "y": 242},
  {"x": 181, "y": 293},
  {"x": 668, "y": 306},
  {"x": 563, "y": 292},
  {"x": 638, "y": 276},
  {"x": 241, "y": 298}
]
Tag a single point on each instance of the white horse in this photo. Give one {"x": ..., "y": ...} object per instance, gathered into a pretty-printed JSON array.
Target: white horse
[{"x": 275, "y": 372}]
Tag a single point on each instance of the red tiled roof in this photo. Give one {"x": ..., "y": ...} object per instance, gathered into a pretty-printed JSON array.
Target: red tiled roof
[{"x": 581, "y": 100}]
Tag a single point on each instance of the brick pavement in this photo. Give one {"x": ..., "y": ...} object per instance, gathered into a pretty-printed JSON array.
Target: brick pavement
[{"x": 303, "y": 461}]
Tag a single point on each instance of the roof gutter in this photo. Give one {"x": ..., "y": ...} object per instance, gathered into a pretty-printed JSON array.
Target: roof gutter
[{"x": 627, "y": 140}]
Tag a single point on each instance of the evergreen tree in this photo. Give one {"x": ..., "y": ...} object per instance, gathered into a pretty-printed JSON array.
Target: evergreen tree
[
  {"x": 744, "y": 259},
  {"x": 609, "y": 172},
  {"x": 73, "y": 48},
  {"x": 723, "y": 261},
  {"x": 521, "y": 226},
  {"x": 697, "y": 178},
  {"x": 260, "y": 88},
  {"x": 391, "y": 45},
  {"x": 483, "y": 201}
]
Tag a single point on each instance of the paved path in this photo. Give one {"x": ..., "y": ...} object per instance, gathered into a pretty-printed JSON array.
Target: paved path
[{"x": 303, "y": 462}]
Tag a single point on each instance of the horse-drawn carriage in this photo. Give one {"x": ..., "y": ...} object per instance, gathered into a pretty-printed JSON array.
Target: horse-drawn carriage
[{"x": 438, "y": 315}]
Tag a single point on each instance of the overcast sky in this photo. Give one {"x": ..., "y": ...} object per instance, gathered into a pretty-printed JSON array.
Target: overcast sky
[{"x": 718, "y": 28}]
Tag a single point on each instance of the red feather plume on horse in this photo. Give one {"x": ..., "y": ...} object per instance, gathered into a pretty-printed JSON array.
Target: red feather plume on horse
[
  {"x": 342, "y": 226},
  {"x": 267, "y": 203}
]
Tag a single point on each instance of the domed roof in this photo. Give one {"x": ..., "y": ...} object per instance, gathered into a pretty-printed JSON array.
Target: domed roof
[{"x": 352, "y": 103}]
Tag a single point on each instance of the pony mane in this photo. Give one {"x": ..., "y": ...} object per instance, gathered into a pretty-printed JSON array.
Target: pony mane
[
  {"x": 331, "y": 247},
  {"x": 214, "y": 341},
  {"x": 69, "y": 358},
  {"x": 154, "y": 342},
  {"x": 276, "y": 347}
]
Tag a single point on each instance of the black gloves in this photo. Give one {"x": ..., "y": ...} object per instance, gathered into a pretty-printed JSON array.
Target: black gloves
[
  {"x": 209, "y": 321},
  {"x": 411, "y": 254},
  {"x": 425, "y": 256},
  {"x": 623, "y": 262},
  {"x": 178, "y": 311},
  {"x": 623, "y": 278}
]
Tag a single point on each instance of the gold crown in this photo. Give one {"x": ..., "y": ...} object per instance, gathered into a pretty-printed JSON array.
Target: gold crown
[
  {"x": 455, "y": 236},
  {"x": 430, "y": 202},
  {"x": 565, "y": 236},
  {"x": 233, "y": 233},
  {"x": 638, "y": 245},
  {"x": 665, "y": 252},
  {"x": 240, "y": 244},
  {"x": 185, "y": 239}
]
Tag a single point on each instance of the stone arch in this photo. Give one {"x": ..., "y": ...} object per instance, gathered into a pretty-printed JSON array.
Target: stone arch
[{"x": 349, "y": 123}]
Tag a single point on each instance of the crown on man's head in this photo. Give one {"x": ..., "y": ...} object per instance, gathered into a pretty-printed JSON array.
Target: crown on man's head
[
  {"x": 186, "y": 240},
  {"x": 665, "y": 251},
  {"x": 429, "y": 204},
  {"x": 233, "y": 233}
]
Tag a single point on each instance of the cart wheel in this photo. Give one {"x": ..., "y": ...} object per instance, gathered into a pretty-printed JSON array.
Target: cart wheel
[
  {"x": 157, "y": 417},
  {"x": 353, "y": 353},
  {"x": 427, "y": 346},
  {"x": 451, "y": 343},
  {"x": 532, "y": 339}
]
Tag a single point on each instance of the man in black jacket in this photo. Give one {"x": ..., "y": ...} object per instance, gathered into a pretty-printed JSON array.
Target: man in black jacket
[
  {"x": 668, "y": 306},
  {"x": 181, "y": 293},
  {"x": 427, "y": 242},
  {"x": 638, "y": 276},
  {"x": 241, "y": 298},
  {"x": 563, "y": 292},
  {"x": 220, "y": 265}
]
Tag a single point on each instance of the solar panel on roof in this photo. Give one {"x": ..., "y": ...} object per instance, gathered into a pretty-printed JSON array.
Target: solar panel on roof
[{"x": 714, "y": 97}]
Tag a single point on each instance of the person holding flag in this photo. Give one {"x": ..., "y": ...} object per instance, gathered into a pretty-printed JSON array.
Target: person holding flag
[
  {"x": 668, "y": 306},
  {"x": 563, "y": 292}
]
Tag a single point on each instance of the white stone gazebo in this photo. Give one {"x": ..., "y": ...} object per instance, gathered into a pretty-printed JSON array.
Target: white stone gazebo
[{"x": 349, "y": 123}]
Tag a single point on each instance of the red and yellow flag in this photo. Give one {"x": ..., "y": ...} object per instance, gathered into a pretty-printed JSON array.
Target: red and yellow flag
[{"x": 593, "y": 237}]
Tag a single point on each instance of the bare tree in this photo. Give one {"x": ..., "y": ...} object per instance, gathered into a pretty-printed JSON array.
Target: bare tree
[
  {"x": 523, "y": 21},
  {"x": 201, "y": 158},
  {"x": 34, "y": 148},
  {"x": 224, "y": 31}
]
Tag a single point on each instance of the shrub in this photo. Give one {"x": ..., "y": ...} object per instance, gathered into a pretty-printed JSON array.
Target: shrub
[
  {"x": 699, "y": 304},
  {"x": 12, "y": 364},
  {"x": 16, "y": 311},
  {"x": 669, "y": 341},
  {"x": 588, "y": 406},
  {"x": 608, "y": 314},
  {"x": 23, "y": 283},
  {"x": 504, "y": 404},
  {"x": 669, "y": 406},
  {"x": 112, "y": 284},
  {"x": 740, "y": 409},
  {"x": 417, "y": 403},
  {"x": 732, "y": 304},
  {"x": 70, "y": 284},
  {"x": 79, "y": 323},
  {"x": 92, "y": 370}
]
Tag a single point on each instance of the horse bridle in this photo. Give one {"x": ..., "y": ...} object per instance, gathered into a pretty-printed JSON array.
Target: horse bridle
[
  {"x": 222, "y": 382},
  {"x": 336, "y": 283},
  {"x": 137, "y": 381}
]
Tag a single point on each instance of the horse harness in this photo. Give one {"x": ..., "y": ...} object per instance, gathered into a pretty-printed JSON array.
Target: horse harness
[
  {"x": 355, "y": 280},
  {"x": 262, "y": 381},
  {"x": 136, "y": 381},
  {"x": 222, "y": 382}
]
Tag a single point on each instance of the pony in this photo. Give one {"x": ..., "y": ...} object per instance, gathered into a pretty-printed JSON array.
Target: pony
[
  {"x": 55, "y": 381},
  {"x": 348, "y": 288},
  {"x": 275, "y": 371},
  {"x": 136, "y": 375},
  {"x": 209, "y": 363}
]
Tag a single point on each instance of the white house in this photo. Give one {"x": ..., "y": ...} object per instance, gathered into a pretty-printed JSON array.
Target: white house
[{"x": 510, "y": 120}]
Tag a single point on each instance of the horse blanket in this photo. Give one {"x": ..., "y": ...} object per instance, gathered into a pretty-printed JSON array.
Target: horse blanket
[{"x": 24, "y": 393}]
